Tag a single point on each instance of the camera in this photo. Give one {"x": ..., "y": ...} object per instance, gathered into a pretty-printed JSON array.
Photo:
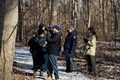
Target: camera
[
  {"x": 48, "y": 28},
  {"x": 85, "y": 40}
]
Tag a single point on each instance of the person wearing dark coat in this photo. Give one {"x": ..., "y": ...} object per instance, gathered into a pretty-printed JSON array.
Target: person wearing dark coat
[
  {"x": 40, "y": 50},
  {"x": 41, "y": 30},
  {"x": 69, "y": 48},
  {"x": 32, "y": 48},
  {"x": 53, "y": 49},
  {"x": 39, "y": 42}
]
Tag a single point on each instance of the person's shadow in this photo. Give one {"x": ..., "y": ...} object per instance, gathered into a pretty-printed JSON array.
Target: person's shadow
[{"x": 19, "y": 68}]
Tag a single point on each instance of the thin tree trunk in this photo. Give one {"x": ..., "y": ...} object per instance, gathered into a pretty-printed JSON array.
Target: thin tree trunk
[
  {"x": 103, "y": 19},
  {"x": 115, "y": 22},
  {"x": 89, "y": 13},
  {"x": 51, "y": 12},
  {"x": 20, "y": 26}
]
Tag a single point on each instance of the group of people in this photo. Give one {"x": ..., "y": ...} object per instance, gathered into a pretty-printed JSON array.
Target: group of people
[{"x": 45, "y": 49}]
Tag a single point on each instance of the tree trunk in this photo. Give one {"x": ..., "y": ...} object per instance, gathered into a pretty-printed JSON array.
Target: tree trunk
[
  {"x": 115, "y": 22},
  {"x": 54, "y": 8},
  {"x": 89, "y": 13},
  {"x": 20, "y": 29},
  {"x": 8, "y": 21},
  {"x": 51, "y": 12}
]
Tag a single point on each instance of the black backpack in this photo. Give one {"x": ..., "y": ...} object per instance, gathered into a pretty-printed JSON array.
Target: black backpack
[
  {"x": 31, "y": 44},
  {"x": 31, "y": 41}
]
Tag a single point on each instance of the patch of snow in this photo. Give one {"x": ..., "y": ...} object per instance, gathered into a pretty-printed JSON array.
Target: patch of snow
[{"x": 24, "y": 57}]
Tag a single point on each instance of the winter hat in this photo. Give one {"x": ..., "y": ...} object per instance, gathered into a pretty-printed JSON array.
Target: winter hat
[
  {"x": 71, "y": 27},
  {"x": 58, "y": 27},
  {"x": 40, "y": 30}
]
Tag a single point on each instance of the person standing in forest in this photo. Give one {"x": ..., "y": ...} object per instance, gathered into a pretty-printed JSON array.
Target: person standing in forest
[
  {"x": 39, "y": 50},
  {"x": 53, "y": 49},
  {"x": 69, "y": 48},
  {"x": 43, "y": 45},
  {"x": 32, "y": 48},
  {"x": 90, "y": 48}
]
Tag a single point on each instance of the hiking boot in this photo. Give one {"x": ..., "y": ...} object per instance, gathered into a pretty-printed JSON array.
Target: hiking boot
[
  {"x": 57, "y": 78},
  {"x": 49, "y": 78},
  {"x": 41, "y": 73},
  {"x": 68, "y": 71},
  {"x": 35, "y": 73}
]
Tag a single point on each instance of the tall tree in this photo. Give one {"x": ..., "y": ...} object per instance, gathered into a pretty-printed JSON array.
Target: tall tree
[
  {"x": 8, "y": 21},
  {"x": 20, "y": 26}
]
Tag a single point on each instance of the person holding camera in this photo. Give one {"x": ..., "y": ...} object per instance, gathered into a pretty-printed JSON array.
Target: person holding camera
[
  {"x": 90, "y": 48},
  {"x": 53, "y": 49}
]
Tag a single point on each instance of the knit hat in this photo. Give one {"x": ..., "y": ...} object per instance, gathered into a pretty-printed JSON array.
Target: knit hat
[
  {"x": 71, "y": 27},
  {"x": 58, "y": 27}
]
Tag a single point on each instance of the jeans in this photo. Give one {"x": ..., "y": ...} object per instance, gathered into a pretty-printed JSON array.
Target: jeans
[
  {"x": 69, "y": 62},
  {"x": 52, "y": 65},
  {"x": 44, "y": 66}
]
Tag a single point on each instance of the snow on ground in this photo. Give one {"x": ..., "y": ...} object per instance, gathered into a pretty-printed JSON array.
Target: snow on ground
[{"x": 24, "y": 57}]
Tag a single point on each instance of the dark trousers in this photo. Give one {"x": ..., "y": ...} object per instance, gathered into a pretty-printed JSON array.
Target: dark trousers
[
  {"x": 69, "y": 62},
  {"x": 91, "y": 63},
  {"x": 52, "y": 65},
  {"x": 38, "y": 61}
]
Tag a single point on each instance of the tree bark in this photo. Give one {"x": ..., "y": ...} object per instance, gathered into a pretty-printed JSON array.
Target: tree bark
[
  {"x": 8, "y": 21},
  {"x": 51, "y": 12},
  {"x": 20, "y": 26}
]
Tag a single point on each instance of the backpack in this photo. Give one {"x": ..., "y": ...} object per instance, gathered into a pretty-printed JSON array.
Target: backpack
[
  {"x": 31, "y": 44},
  {"x": 31, "y": 41}
]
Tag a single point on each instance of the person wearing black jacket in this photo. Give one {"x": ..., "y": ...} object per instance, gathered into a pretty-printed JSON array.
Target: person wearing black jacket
[
  {"x": 69, "y": 48},
  {"x": 53, "y": 49},
  {"x": 38, "y": 45},
  {"x": 32, "y": 48}
]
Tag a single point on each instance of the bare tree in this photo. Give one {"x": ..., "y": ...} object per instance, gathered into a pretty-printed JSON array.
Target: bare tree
[
  {"x": 20, "y": 25},
  {"x": 8, "y": 21},
  {"x": 97, "y": 13},
  {"x": 115, "y": 19}
]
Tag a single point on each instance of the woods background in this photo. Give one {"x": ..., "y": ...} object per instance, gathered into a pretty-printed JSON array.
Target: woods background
[{"x": 101, "y": 14}]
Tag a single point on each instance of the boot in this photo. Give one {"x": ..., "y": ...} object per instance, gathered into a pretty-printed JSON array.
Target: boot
[
  {"x": 35, "y": 73},
  {"x": 49, "y": 78}
]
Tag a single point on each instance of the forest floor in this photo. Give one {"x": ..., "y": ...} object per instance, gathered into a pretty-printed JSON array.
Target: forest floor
[
  {"x": 107, "y": 61},
  {"x": 107, "y": 64}
]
